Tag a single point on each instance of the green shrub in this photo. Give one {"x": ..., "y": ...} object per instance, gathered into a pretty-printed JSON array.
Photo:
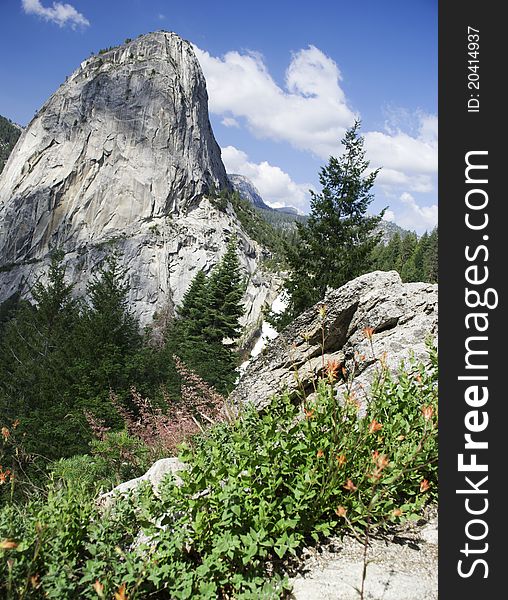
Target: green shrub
[{"x": 255, "y": 492}]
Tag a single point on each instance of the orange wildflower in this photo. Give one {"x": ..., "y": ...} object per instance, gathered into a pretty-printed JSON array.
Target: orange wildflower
[
  {"x": 121, "y": 595},
  {"x": 341, "y": 511},
  {"x": 99, "y": 588},
  {"x": 427, "y": 412},
  {"x": 332, "y": 367},
  {"x": 309, "y": 413},
  {"x": 350, "y": 486},
  {"x": 8, "y": 545},
  {"x": 375, "y": 426},
  {"x": 5, "y": 433},
  {"x": 4, "y": 475},
  {"x": 320, "y": 453},
  {"x": 383, "y": 461},
  {"x": 424, "y": 486},
  {"x": 368, "y": 332},
  {"x": 341, "y": 459},
  {"x": 397, "y": 512}
]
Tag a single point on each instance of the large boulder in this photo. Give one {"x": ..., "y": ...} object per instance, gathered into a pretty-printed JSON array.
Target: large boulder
[
  {"x": 153, "y": 476},
  {"x": 374, "y": 318}
]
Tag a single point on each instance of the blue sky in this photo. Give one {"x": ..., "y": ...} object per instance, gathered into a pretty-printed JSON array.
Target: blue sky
[{"x": 285, "y": 80}]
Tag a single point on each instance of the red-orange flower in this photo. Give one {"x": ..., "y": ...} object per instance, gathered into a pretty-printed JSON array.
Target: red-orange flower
[
  {"x": 320, "y": 453},
  {"x": 427, "y": 412},
  {"x": 341, "y": 511},
  {"x": 5, "y": 433},
  {"x": 4, "y": 475},
  {"x": 341, "y": 459},
  {"x": 99, "y": 588},
  {"x": 397, "y": 512},
  {"x": 424, "y": 486},
  {"x": 350, "y": 486},
  {"x": 332, "y": 367},
  {"x": 308, "y": 413},
  {"x": 375, "y": 426},
  {"x": 368, "y": 332},
  {"x": 121, "y": 595}
]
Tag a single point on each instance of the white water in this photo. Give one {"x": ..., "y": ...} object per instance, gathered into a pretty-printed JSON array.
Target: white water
[{"x": 268, "y": 333}]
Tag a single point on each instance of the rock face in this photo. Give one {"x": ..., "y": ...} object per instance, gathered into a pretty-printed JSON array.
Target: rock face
[
  {"x": 154, "y": 476},
  {"x": 247, "y": 190},
  {"x": 402, "y": 567},
  {"x": 122, "y": 156},
  {"x": 401, "y": 315}
]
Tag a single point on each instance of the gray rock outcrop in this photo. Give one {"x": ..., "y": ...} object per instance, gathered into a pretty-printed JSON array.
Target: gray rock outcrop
[
  {"x": 154, "y": 476},
  {"x": 399, "y": 567},
  {"x": 402, "y": 316},
  {"x": 123, "y": 156}
]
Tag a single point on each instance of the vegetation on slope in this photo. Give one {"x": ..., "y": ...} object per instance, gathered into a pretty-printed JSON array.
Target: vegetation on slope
[
  {"x": 9, "y": 134},
  {"x": 257, "y": 490},
  {"x": 61, "y": 355}
]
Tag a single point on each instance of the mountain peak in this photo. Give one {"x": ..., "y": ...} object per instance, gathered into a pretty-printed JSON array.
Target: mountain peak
[{"x": 121, "y": 156}]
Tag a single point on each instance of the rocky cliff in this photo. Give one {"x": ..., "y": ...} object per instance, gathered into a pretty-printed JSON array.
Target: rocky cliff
[
  {"x": 123, "y": 156},
  {"x": 400, "y": 316},
  {"x": 247, "y": 190}
]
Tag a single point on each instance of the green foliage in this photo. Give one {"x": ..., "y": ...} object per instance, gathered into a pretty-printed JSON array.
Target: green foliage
[
  {"x": 60, "y": 356},
  {"x": 207, "y": 323},
  {"x": 336, "y": 242},
  {"x": 35, "y": 349},
  {"x": 416, "y": 259},
  {"x": 9, "y": 135},
  {"x": 255, "y": 492},
  {"x": 257, "y": 226}
]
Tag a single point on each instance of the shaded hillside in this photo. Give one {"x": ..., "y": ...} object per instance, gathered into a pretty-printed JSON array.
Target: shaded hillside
[{"x": 9, "y": 135}]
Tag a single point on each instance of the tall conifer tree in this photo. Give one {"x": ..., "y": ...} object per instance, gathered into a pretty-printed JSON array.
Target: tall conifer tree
[{"x": 337, "y": 241}]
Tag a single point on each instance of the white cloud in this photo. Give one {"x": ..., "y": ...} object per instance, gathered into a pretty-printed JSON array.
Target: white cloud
[
  {"x": 230, "y": 122},
  {"x": 397, "y": 150},
  {"x": 59, "y": 13},
  {"x": 275, "y": 185},
  {"x": 311, "y": 112},
  {"x": 415, "y": 217},
  {"x": 390, "y": 179}
]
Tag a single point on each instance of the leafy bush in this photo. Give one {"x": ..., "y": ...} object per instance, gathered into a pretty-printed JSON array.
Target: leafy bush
[{"x": 256, "y": 491}]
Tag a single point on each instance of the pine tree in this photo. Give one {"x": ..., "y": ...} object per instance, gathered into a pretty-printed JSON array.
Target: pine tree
[
  {"x": 225, "y": 292},
  {"x": 337, "y": 241},
  {"x": 207, "y": 323},
  {"x": 430, "y": 261},
  {"x": 109, "y": 339},
  {"x": 36, "y": 351}
]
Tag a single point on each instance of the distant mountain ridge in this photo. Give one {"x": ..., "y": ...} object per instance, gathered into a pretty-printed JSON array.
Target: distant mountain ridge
[
  {"x": 248, "y": 191},
  {"x": 286, "y": 217}
]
